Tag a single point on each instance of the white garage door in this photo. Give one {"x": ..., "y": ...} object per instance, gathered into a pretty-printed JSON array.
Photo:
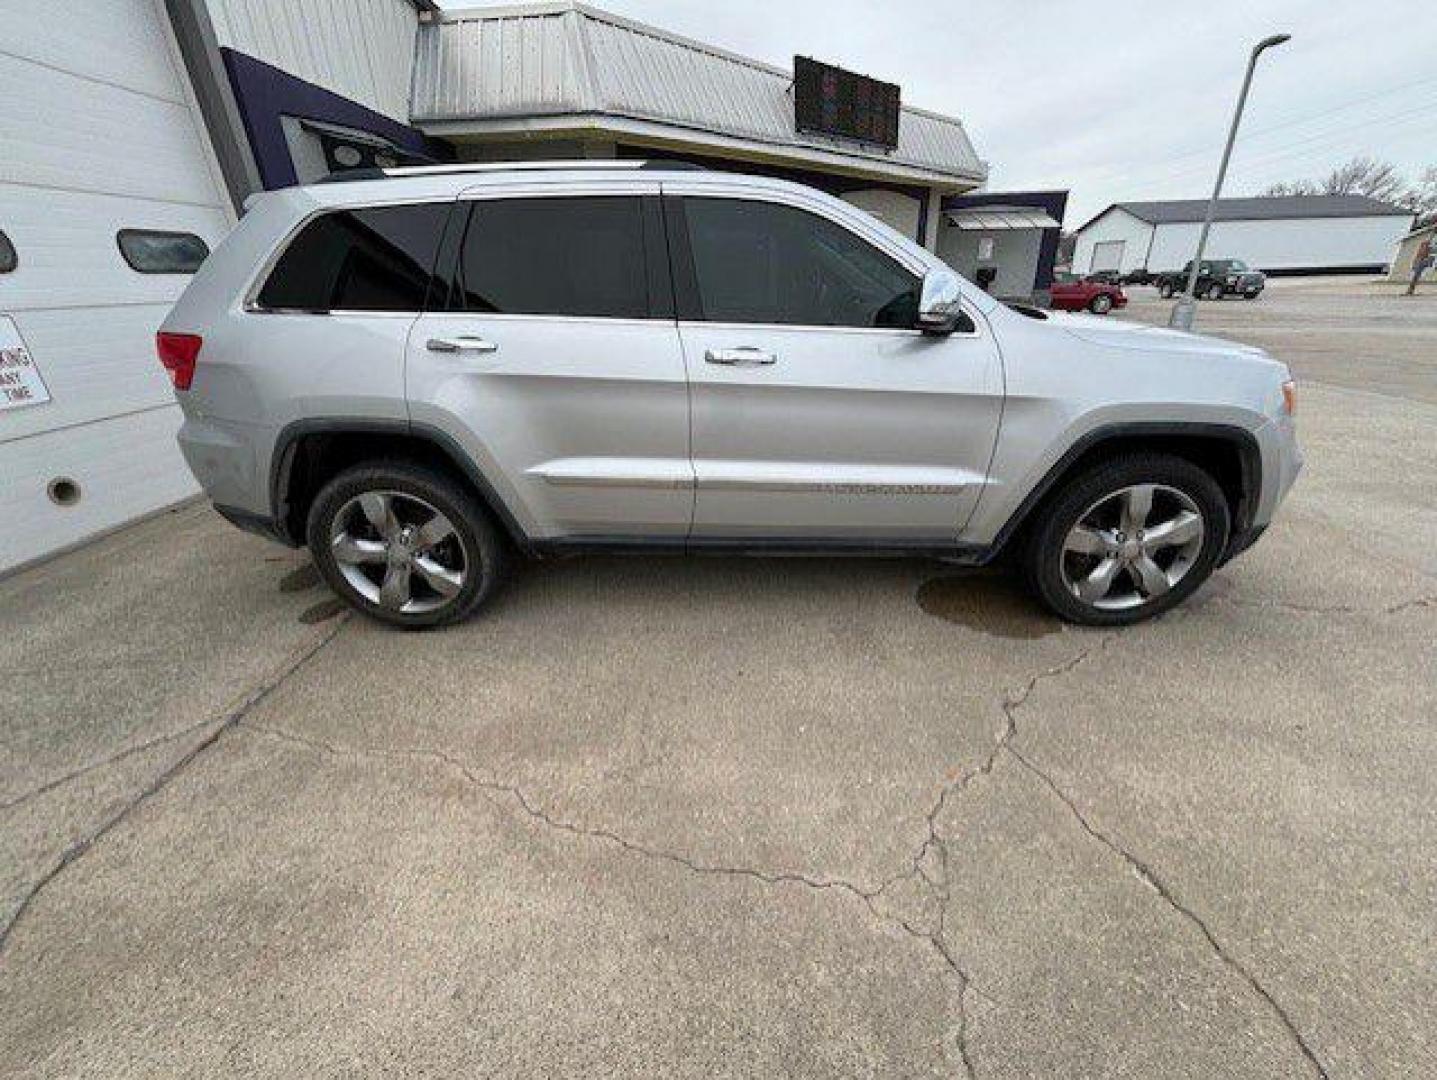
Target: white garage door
[
  {"x": 1107, "y": 255},
  {"x": 98, "y": 134}
]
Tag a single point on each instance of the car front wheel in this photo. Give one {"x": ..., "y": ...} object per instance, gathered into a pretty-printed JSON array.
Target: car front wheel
[
  {"x": 404, "y": 544},
  {"x": 1165, "y": 291},
  {"x": 1100, "y": 304},
  {"x": 1127, "y": 539}
]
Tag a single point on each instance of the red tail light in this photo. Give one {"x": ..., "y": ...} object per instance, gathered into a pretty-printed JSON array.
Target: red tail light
[{"x": 178, "y": 352}]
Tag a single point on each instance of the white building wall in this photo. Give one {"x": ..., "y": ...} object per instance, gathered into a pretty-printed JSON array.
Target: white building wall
[
  {"x": 100, "y": 132},
  {"x": 1293, "y": 244},
  {"x": 893, "y": 208},
  {"x": 1115, "y": 225},
  {"x": 360, "y": 49}
]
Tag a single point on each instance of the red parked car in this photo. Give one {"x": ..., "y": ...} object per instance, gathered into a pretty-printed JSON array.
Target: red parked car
[{"x": 1072, "y": 293}]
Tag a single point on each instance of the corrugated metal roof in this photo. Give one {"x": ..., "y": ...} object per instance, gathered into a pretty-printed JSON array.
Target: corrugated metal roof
[
  {"x": 1271, "y": 207},
  {"x": 566, "y": 59}
]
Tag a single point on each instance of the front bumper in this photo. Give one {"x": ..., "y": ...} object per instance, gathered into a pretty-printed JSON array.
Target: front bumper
[{"x": 1282, "y": 461}]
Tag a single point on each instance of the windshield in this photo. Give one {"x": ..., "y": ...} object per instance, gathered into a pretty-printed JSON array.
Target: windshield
[{"x": 1236, "y": 264}]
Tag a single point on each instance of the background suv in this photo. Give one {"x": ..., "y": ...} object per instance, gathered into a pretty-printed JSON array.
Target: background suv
[
  {"x": 1216, "y": 278},
  {"x": 421, "y": 373}
]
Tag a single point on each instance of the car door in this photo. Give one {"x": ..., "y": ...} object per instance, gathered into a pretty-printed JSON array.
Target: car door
[
  {"x": 819, "y": 414},
  {"x": 554, "y": 361}
]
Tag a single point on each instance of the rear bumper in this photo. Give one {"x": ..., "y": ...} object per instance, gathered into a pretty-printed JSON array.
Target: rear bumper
[{"x": 230, "y": 461}]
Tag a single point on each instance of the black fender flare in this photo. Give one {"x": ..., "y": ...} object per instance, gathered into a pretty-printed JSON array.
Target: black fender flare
[
  {"x": 288, "y": 441},
  {"x": 1245, "y": 442}
]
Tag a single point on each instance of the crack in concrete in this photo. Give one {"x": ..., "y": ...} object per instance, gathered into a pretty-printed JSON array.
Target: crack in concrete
[
  {"x": 1150, "y": 878},
  {"x": 113, "y": 759},
  {"x": 1326, "y": 609},
  {"x": 1146, "y": 873},
  {"x": 222, "y": 724},
  {"x": 934, "y": 842},
  {"x": 528, "y": 807}
]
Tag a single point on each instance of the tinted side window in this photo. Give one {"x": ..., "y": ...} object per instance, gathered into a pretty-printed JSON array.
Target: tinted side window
[
  {"x": 377, "y": 259},
  {"x": 152, "y": 251},
  {"x": 757, "y": 262},
  {"x": 8, "y": 259},
  {"x": 556, "y": 256}
]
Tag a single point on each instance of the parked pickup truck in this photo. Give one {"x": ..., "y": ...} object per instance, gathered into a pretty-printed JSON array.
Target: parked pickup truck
[{"x": 1216, "y": 278}]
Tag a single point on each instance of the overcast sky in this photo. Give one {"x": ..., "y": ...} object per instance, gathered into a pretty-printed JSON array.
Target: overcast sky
[{"x": 1118, "y": 101}]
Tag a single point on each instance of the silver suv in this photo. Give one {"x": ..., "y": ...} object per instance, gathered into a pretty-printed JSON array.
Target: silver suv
[{"x": 421, "y": 373}]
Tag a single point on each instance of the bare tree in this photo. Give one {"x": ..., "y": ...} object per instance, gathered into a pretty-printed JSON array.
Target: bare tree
[
  {"x": 1421, "y": 197},
  {"x": 1365, "y": 176},
  {"x": 1291, "y": 187}
]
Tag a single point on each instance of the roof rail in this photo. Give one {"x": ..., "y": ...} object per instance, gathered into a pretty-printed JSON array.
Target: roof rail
[{"x": 596, "y": 164}]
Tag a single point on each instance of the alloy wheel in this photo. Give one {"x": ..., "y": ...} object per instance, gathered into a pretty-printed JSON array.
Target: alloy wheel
[
  {"x": 398, "y": 551},
  {"x": 1132, "y": 546}
]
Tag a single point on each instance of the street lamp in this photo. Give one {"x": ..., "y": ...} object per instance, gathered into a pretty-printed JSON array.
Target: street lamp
[{"x": 1182, "y": 316}]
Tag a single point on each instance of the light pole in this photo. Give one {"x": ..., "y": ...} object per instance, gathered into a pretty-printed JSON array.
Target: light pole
[{"x": 1182, "y": 316}]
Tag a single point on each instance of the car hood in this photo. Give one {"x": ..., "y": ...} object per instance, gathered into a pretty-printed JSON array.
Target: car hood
[{"x": 1113, "y": 334}]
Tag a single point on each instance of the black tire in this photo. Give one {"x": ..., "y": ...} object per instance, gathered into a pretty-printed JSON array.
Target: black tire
[
  {"x": 1213, "y": 292},
  {"x": 1165, "y": 290},
  {"x": 475, "y": 536},
  {"x": 1100, "y": 304},
  {"x": 1043, "y": 550}
]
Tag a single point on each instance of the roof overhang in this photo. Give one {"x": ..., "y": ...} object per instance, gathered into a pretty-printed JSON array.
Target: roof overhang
[{"x": 641, "y": 132}]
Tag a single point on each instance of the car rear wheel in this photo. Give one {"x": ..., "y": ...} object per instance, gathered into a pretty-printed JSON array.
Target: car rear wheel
[
  {"x": 1127, "y": 539},
  {"x": 1165, "y": 290},
  {"x": 404, "y": 544},
  {"x": 1100, "y": 304},
  {"x": 1214, "y": 292}
]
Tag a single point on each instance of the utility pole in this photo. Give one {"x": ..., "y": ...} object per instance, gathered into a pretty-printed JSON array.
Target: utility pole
[{"x": 1182, "y": 316}]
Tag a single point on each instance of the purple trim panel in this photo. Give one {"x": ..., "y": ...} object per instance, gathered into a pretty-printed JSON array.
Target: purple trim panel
[{"x": 265, "y": 93}]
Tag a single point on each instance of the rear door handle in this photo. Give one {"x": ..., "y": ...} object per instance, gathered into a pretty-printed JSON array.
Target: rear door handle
[
  {"x": 461, "y": 344},
  {"x": 747, "y": 356}
]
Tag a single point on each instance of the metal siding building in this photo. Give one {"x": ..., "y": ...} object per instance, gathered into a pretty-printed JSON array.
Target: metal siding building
[
  {"x": 166, "y": 114},
  {"x": 493, "y": 74},
  {"x": 1298, "y": 234}
]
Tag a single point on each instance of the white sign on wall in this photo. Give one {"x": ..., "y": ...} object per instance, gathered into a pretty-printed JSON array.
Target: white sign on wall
[{"x": 20, "y": 381}]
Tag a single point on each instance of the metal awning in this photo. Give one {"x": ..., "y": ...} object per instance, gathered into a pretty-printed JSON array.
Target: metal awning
[{"x": 994, "y": 218}]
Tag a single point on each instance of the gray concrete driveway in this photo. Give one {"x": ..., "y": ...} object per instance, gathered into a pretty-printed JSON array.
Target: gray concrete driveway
[{"x": 743, "y": 817}]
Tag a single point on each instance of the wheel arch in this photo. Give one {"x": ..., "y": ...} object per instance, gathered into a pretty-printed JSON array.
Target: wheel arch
[
  {"x": 309, "y": 452},
  {"x": 1229, "y": 453}
]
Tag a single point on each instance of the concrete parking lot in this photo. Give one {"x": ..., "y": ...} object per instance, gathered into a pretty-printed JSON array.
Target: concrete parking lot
[{"x": 750, "y": 817}]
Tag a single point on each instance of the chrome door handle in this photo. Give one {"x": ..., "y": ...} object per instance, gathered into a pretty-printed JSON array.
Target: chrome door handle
[
  {"x": 747, "y": 356},
  {"x": 460, "y": 344}
]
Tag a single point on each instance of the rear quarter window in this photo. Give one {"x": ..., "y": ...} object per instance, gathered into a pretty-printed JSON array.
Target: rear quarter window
[{"x": 375, "y": 259}]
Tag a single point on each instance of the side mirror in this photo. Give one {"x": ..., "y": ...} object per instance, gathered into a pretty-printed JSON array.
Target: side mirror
[{"x": 938, "y": 304}]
